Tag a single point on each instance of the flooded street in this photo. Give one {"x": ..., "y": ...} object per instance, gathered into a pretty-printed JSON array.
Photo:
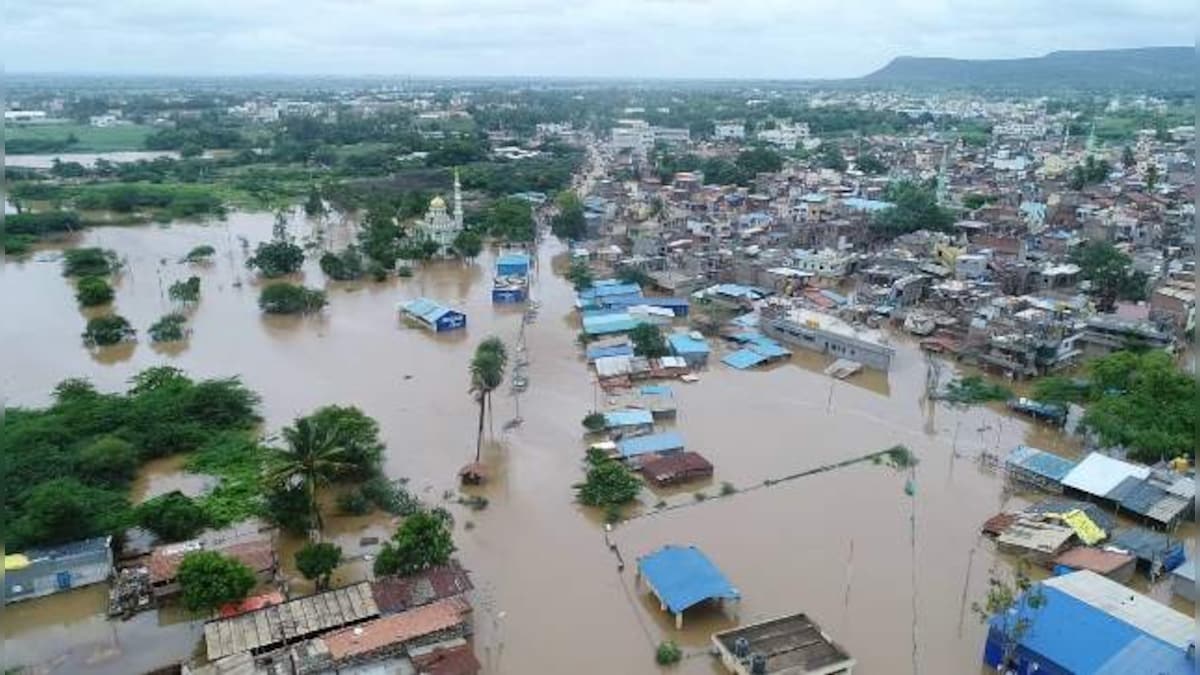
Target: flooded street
[{"x": 848, "y": 547}]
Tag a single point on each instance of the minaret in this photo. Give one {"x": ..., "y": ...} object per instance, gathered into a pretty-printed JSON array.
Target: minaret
[{"x": 458, "y": 212}]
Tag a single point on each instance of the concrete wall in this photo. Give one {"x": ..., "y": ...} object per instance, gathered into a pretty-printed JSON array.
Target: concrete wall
[{"x": 869, "y": 354}]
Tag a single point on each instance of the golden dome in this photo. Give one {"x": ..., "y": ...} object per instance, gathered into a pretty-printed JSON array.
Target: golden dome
[{"x": 437, "y": 203}]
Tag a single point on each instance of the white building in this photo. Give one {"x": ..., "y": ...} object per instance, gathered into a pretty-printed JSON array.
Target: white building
[
  {"x": 826, "y": 263},
  {"x": 441, "y": 227},
  {"x": 635, "y": 135},
  {"x": 24, "y": 115},
  {"x": 671, "y": 135},
  {"x": 729, "y": 131},
  {"x": 785, "y": 136}
]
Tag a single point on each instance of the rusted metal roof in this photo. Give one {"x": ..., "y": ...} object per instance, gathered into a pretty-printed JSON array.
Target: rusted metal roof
[
  {"x": 397, "y": 628},
  {"x": 397, "y": 594},
  {"x": 164, "y": 561}
]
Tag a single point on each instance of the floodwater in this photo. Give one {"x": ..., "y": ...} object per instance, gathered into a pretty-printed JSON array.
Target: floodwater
[{"x": 880, "y": 570}]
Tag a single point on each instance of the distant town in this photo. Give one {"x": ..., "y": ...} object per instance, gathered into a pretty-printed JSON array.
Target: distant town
[{"x": 450, "y": 378}]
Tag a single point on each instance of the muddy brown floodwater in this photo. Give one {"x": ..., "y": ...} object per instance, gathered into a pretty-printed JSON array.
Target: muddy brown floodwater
[{"x": 874, "y": 566}]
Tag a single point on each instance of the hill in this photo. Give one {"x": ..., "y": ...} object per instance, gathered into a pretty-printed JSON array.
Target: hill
[{"x": 1143, "y": 67}]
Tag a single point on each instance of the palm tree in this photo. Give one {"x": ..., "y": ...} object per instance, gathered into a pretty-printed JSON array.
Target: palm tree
[
  {"x": 494, "y": 345},
  {"x": 487, "y": 373},
  {"x": 313, "y": 457}
]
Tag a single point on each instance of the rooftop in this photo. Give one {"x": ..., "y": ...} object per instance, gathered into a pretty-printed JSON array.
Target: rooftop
[
  {"x": 397, "y": 628},
  {"x": 396, "y": 594},
  {"x": 668, "y": 441},
  {"x": 682, "y": 576},
  {"x": 1098, "y": 474},
  {"x": 793, "y": 645}
]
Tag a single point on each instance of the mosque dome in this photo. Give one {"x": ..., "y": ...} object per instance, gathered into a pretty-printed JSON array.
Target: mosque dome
[{"x": 437, "y": 203}]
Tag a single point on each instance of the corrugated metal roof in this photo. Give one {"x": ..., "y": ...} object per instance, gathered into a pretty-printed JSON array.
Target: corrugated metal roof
[
  {"x": 425, "y": 309},
  {"x": 1098, "y": 474},
  {"x": 668, "y": 441},
  {"x": 628, "y": 418},
  {"x": 1062, "y": 505},
  {"x": 1146, "y": 655},
  {"x": 1040, "y": 462},
  {"x": 614, "y": 366},
  {"x": 682, "y": 576},
  {"x": 594, "y": 353},
  {"x": 682, "y": 343},
  {"x": 1131, "y": 607},
  {"x": 1145, "y": 544},
  {"x": 743, "y": 359},
  {"x": 608, "y": 323}
]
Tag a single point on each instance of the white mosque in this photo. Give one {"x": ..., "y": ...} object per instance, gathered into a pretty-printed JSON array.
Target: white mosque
[{"x": 441, "y": 227}]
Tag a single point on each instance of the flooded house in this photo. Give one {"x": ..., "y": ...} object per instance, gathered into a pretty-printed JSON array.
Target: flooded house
[
  {"x": 38, "y": 572},
  {"x": 1106, "y": 562},
  {"x": 395, "y": 594},
  {"x": 164, "y": 561},
  {"x": 682, "y": 577},
  {"x": 691, "y": 347},
  {"x": 629, "y": 422},
  {"x": 1037, "y": 468},
  {"x": 432, "y": 315},
  {"x": 675, "y": 469},
  {"x": 664, "y": 443},
  {"x": 511, "y": 282},
  {"x": 1039, "y": 541},
  {"x": 827, "y": 334},
  {"x": 393, "y": 638},
  {"x": 788, "y": 645}
]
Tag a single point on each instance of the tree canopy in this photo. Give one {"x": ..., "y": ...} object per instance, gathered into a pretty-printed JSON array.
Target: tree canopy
[
  {"x": 511, "y": 219},
  {"x": 607, "y": 483},
  {"x": 914, "y": 207},
  {"x": 107, "y": 330},
  {"x": 285, "y": 298},
  {"x": 276, "y": 258},
  {"x": 317, "y": 561},
  {"x": 648, "y": 341},
  {"x": 93, "y": 291},
  {"x": 210, "y": 579},
  {"x": 172, "y": 516},
  {"x": 422, "y": 541},
  {"x": 569, "y": 224},
  {"x": 1110, "y": 272}
]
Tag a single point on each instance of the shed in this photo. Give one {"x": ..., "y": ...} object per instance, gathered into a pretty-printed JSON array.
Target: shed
[
  {"x": 599, "y": 352},
  {"x": 1149, "y": 501},
  {"x": 678, "y": 307},
  {"x": 400, "y": 593},
  {"x": 432, "y": 315},
  {"x": 663, "y": 443},
  {"x": 608, "y": 324},
  {"x": 693, "y": 350},
  {"x": 45, "y": 571},
  {"x": 1097, "y": 475},
  {"x": 1156, "y": 552},
  {"x": 1113, "y": 564},
  {"x": 513, "y": 265},
  {"x": 743, "y": 359},
  {"x": 683, "y": 577},
  {"x": 1037, "y": 467},
  {"x": 1038, "y": 540},
  {"x": 678, "y": 468},
  {"x": 614, "y": 366},
  {"x": 629, "y": 420}
]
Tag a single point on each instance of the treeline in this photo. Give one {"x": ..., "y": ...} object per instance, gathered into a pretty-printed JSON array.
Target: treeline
[{"x": 21, "y": 230}]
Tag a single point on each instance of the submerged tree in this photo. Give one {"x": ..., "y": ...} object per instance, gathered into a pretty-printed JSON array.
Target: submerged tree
[
  {"x": 313, "y": 456},
  {"x": 318, "y": 561},
  {"x": 276, "y": 258},
  {"x": 648, "y": 341},
  {"x": 107, "y": 330},
  {"x": 93, "y": 291},
  {"x": 187, "y": 292},
  {"x": 1011, "y": 608},
  {"x": 284, "y": 298},
  {"x": 487, "y": 374},
  {"x": 170, "y": 328},
  {"x": 422, "y": 541}
]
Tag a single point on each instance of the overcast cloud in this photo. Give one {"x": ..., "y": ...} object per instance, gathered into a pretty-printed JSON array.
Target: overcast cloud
[{"x": 601, "y": 38}]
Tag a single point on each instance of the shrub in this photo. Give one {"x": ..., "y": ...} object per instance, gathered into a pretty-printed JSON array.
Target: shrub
[
  {"x": 648, "y": 341},
  {"x": 668, "y": 653},
  {"x": 318, "y": 561},
  {"x": 607, "y": 483},
  {"x": 173, "y": 516},
  {"x": 276, "y": 258},
  {"x": 344, "y": 266},
  {"x": 107, "y": 330},
  {"x": 210, "y": 579},
  {"x": 92, "y": 291},
  {"x": 200, "y": 254},
  {"x": 290, "y": 299},
  {"x": 89, "y": 262},
  {"x": 109, "y": 460},
  {"x": 390, "y": 496},
  {"x": 593, "y": 421},
  {"x": 422, "y": 541},
  {"x": 185, "y": 291},
  {"x": 169, "y": 328}
]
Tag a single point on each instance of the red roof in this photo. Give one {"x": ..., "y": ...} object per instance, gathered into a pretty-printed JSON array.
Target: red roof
[
  {"x": 250, "y": 604},
  {"x": 664, "y": 469},
  {"x": 397, "y": 628},
  {"x": 165, "y": 560},
  {"x": 997, "y": 524},
  {"x": 458, "y": 660},
  {"x": 396, "y": 594},
  {"x": 1097, "y": 560}
]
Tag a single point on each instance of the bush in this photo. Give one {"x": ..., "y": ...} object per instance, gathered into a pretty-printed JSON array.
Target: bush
[
  {"x": 109, "y": 460},
  {"x": 185, "y": 291},
  {"x": 290, "y": 299},
  {"x": 200, "y": 254},
  {"x": 593, "y": 421},
  {"x": 390, "y": 496},
  {"x": 668, "y": 653},
  {"x": 607, "y": 483},
  {"x": 210, "y": 579},
  {"x": 169, "y": 328},
  {"x": 354, "y": 503},
  {"x": 318, "y": 561},
  {"x": 63, "y": 510},
  {"x": 107, "y": 330},
  {"x": 276, "y": 258},
  {"x": 648, "y": 341},
  {"x": 89, "y": 262},
  {"x": 344, "y": 266},
  {"x": 173, "y": 516},
  {"x": 93, "y": 291},
  {"x": 974, "y": 389},
  {"x": 377, "y": 271}
]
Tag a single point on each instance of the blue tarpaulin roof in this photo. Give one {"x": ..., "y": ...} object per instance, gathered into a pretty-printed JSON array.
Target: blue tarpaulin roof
[
  {"x": 668, "y": 441},
  {"x": 682, "y": 576},
  {"x": 743, "y": 359},
  {"x": 604, "y": 290},
  {"x": 682, "y": 343},
  {"x": 627, "y": 418},
  {"x": 608, "y": 323},
  {"x": 594, "y": 353},
  {"x": 1079, "y": 638},
  {"x": 1040, "y": 462}
]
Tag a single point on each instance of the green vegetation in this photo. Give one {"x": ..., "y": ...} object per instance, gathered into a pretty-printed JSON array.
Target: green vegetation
[
  {"x": 727, "y": 489},
  {"x": 344, "y": 266},
  {"x": 580, "y": 275},
  {"x": 648, "y": 341},
  {"x": 422, "y": 541},
  {"x": 21, "y": 139},
  {"x": 593, "y": 421},
  {"x": 354, "y": 503},
  {"x": 201, "y": 253},
  {"x": 1010, "y": 599},
  {"x": 871, "y": 165},
  {"x": 172, "y": 517},
  {"x": 21, "y": 230},
  {"x": 607, "y": 483},
  {"x": 569, "y": 224},
  {"x": 1111, "y": 273},
  {"x": 829, "y": 156},
  {"x": 974, "y": 389},
  {"x": 89, "y": 262},
  {"x": 209, "y": 579},
  {"x": 1140, "y": 401},
  {"x": 238, "y": 461},
  {"x": 93, "y": 291},
  {"x": 1090, "y": 172},
  {"x": 170, "y": 328},
  {"x": 187, "y": 292},
  {"x": 510, "y": 219},
  {"x": 668, "y": 653},
  {"x": 68, "y": 466},
  {"x": 276, "y": 258},
  {"x": 914, "y": 208},
  {"x": 634, "y": 275},
  {"x": 487, "y": 374},
  {"x": 285, "y": 298},
  {"x": 107, "y": 330},
  {"x": 316, "y": 562},
  {"x": 468, "y": 244},
  {"x": 171, "y": 201}
]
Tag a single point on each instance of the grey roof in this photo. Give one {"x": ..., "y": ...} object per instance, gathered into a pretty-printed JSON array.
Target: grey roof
[
  {"x": 1061, "y": 505},
  {"x": 1145, "y": 544},
  {"x": 84, "y": 562},
  {"x": 1099, "y": 474}
]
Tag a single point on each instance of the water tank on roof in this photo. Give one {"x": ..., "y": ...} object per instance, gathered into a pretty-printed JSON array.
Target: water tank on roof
[
  {"x": 758, "y": 664},
  {"x": 741, "y": 648}
]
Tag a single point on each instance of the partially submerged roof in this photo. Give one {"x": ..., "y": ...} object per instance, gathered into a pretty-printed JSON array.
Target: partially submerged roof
[
  {"x": 1037, "y": 536},
  {"x": 164, "y": 562},
  {"x": 682, "y": 343},
  {"x": 743, "y": 359},
  {"x": 630, "y": 417},
  {"x": 793, "y": 645},
  {"x": 604, "y": 324},
  {"x": 667, "y": 441},
  {"x": 425, "y": 309},
  {"x": 1040, "y": 462},
  {"x": 1149, "y": 499},
  {"x": 682, "y": 576},
  {"x": 1098, "y": 474},
  {"x": 1098, "y": 560},
  {"x": 397, "y": 629},
  {"x": 397, "y": 594}
]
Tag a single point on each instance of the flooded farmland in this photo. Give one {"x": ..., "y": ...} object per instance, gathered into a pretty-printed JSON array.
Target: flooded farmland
[{"x": 879, "y": 569}]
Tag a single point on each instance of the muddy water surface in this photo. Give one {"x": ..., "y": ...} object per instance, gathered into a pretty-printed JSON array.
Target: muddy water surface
[{"x": 848, "y": 547}]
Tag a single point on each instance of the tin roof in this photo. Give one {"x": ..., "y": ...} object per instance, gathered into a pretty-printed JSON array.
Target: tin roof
[
  {"x": 1135, "y": 609},
  {"x": 667, "y": 441},
  {"x": 1098, "y": 474},
  {"x": 397, "y": 628},
  {"x": 1040, "y": 462},
  {"x": 396, "y": 594},
  {"x": 1097, "y": 560},
  {"x": 425, "y": 309},
  {"x": 682, "y": 576}
]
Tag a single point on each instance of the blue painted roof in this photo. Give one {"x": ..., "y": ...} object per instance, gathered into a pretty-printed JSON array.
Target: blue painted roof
[
  {"x": 768, "y": 348},
  {"x": 604, "y": 324},
  {"x": 1040, "y": 462},
  {"x": 638, "y": 299},
  {"x": 607, "y": 288},
  {"x": 667, "y": 441},
  {"x": 594, "y": 353},
  {"x": 743, "y": 359},
  {"x": 745, "y": 336},
  {"x": 656, "y": 390},
  {"x": 1148, "y": 655},
  {"x": 426, "y": 309},
  {"x": 682, "y": 576},
  {"x": 1080, "y": 638},
  {"x": 740, "y": 291},
  {"x": 682, "y": 343},
  {"x": 627, "y": 418},
  {"x": 621, "y": 301}
]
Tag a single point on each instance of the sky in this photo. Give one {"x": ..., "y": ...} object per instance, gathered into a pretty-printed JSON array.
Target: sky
[{"x": 790, "y": 39}]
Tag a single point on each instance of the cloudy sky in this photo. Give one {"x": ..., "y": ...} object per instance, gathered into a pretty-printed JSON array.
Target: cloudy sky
[{"x": 594, "y": 38}]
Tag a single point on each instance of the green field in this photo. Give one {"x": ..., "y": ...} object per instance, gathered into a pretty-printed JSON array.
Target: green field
[{"x": 91, "y": 139}]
